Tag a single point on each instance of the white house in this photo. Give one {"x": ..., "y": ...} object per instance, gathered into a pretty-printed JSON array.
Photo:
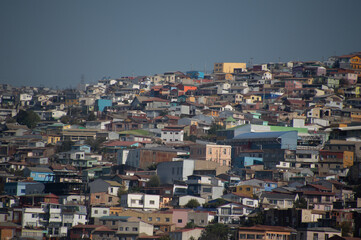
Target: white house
[
  {"x": 176, "y": 170},
  {"x": 97, "y": 212},
  {"x": 140, "y": 201},
  {"x": 170, "y": 134}
]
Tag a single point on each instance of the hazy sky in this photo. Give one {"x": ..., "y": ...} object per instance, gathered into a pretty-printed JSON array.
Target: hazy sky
[{"x": 52, "y": 43}]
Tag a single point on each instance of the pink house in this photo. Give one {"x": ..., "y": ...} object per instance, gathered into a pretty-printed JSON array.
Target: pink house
[{"x": 180, "y": 217}]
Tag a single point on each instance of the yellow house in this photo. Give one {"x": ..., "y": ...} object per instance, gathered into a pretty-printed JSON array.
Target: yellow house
[
  {"x": 69, "y": 102},
  {"x": 53, "y": 139},
  {"x": 252, "y": 98},
  {"x": 227, "y": 67},
  {"x": 160, "y": 220},
  {"x": 355, "y": 62},
  {"x": 191, "y": 99},
  {"x": 348, "y": 158},
  {"x": 247, "y": 190}
]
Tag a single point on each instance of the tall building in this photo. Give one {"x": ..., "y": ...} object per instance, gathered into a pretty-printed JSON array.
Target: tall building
[{"x": 228, "y": 67}]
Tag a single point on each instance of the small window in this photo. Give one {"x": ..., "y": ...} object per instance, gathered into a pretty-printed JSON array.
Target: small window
[{"x": 180, "y": 220}]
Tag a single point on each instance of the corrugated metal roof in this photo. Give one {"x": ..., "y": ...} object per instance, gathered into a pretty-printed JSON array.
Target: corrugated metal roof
[{"x": 256, "y": 135}]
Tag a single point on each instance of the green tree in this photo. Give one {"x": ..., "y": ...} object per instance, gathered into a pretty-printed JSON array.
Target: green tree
[
  {"x": 95, "y": 144},
  {"x": 121, "y": 191},
  {"x": 165, "y": 237},
  {"x": 28, "y": 118},
  {"x": 193, "y": 203},
  {"x": 65, "y": 119},
  {"x": 213, "y": 129},
  {"x": 218, "y": 202},
  {"x": 300, "y": 203},
  {"x": 216, "y": 231},
  {"x": 190, "y": 225},
  {"x": 346, "y": 229},
  {"x": 91, "y": 117},
  {"x": 152, "y": 167},
  {"x": 65, "y": 146},
  {"x": 153, "y": 181}
]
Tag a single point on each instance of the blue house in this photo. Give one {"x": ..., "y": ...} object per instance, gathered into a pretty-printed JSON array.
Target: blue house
[
  {"x": 39, "y": 174},
  {"x": 81, "y": 147},
  {"x": 269, "y": 186},
  {"x": 100, "y": 104},
  {"x": 23, "y": 188},
  {"x": 195, "y": 74},
  {"x": 245, "y": 161}
]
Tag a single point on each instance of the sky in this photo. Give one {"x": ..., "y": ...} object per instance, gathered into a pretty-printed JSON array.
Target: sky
[{"x": 53, "y": 43}]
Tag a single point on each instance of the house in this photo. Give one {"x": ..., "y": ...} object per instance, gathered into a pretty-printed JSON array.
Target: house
[
  {"x": 277, "y": 200},
  {"x": 231, "y": 212},
  {"x": 168, "y": 172},
  {"x": 266, "y": 232},
  {"x": 102, "y": 232},
  {"x": 131, "y": 229},
  {"x": 317, "y": 233},
  {"x": 103, "y": 199},
  {"x": 186, "y": 234},
  {"x": 100, "y": 185},
  {"x": 140, "y": 201},
  {"x": 242, "y": 199},
  {"x": 21, "y": 188},
  {"x": 172, "y": 133},
  {"x": 201, "y": 218},
  {"x": 220, "y": 154},
  {"x": 39, "y": 174}
]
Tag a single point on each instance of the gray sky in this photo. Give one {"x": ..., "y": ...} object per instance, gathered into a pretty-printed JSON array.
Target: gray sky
[{"x": 52, "y": 43}]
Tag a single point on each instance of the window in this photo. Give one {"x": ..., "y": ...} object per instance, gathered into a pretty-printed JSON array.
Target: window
[
  {"x": 242, "y": 236},
  {"x": 315, "y": 236},
  {"x": 120, "y": 228},
  {"x": 258, "y": 236},
  {"x": 97, "y": 197},
  {"x": 95, "y": 211},
  {"x": 110, "y": 199},
  {"x": 150, "y": 219},
  {"x": 113, "y": 222},
  {"x": 135, "y": 229},
  {"x": 250, "y": 236},
  {"x": 127, "y": 229},
  {"x": 151, "y": 202},
  {"x": 180, "y": 220},
  {"x": 104, "y": 211},
  {"x": 167, "y": 219},
  {"x": 326, "y": 236},
  {"x": 157, "y": 219}
]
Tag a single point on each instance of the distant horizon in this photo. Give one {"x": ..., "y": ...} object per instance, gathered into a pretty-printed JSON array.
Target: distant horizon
[
  {"x": 139, "y": 75},
  {"x": 54, "y": 43}
]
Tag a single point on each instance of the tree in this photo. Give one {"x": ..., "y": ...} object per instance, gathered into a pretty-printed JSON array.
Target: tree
[
  {"x": 65, "y": 146},
  {"x": 121, "y": 191},
  {"x": 213, "y": 129},
  {"x": 95, "y": 144},
  {"x": 165, "y": 237},
  {"x": 152, "y": 167},
  {"x": 91, "y": 117},
  {"x": 218, "y": 202},
  {"x": 193, "y": 203},
  {"x": 345, "y": 229},
  {"x": 216, "y": 231},
  {"x": 28, "y": 118},
  {"x": 153, "y": 181},
  {"x": 300, "y": 203},
  {"x": 190, "y": 225}
]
